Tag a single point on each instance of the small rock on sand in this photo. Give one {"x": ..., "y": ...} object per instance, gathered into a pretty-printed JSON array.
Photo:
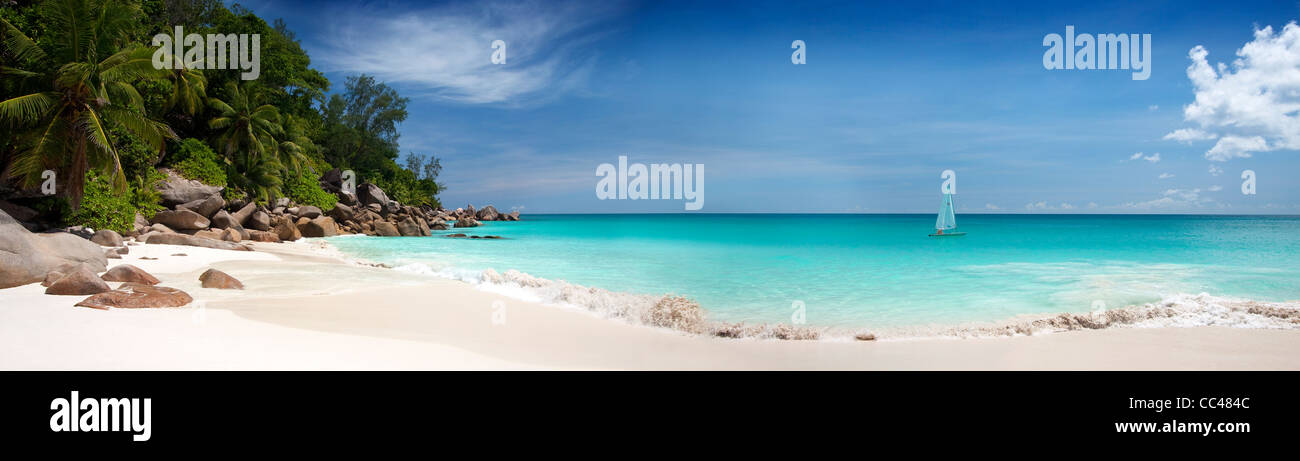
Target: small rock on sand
[
  {"x": 80, "y": 281},
  {"x": 129, "y": 273},
  {"x": 137, "y": 295}
]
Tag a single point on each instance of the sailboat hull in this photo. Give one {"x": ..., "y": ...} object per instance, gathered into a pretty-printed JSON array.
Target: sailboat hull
[{"x": 954, "y": 234}]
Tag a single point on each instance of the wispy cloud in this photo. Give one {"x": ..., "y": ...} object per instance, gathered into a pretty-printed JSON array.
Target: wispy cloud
[
  {"x": 1188, "y": 135},
  {"x": 1172, "y": 199},
  {"x": 1044, "y": 206},
  {"x": 445, "y": 52},
  {"x": 1153, "y": 158},
  {"x": 1165, "y": 176}
]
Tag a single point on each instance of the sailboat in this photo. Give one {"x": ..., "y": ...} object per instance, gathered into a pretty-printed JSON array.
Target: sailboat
[{"x": 946, "y": 224}]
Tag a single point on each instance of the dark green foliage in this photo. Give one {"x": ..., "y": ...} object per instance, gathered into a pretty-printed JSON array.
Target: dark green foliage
[
  {"x": 195, "y": 160},
  {"x": 102, "y": 207},
  {"x": 302, "y": 132},
  {"x": 144, "y": 196},
  {"x": 138, "y": 158},
  {"x": 305, "y": 189}
]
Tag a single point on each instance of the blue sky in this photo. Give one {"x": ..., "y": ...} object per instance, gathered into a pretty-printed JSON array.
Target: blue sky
[{"x": 890, "y": 96}]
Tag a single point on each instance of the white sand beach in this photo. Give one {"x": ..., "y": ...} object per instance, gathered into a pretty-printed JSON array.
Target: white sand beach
[{"x": 305, "y": 310}]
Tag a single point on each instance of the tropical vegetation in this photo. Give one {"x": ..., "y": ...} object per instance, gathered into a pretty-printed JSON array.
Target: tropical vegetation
[{"x": 79, "y": 95}]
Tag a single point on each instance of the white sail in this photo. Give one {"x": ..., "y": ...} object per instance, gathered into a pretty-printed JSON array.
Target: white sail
[{"x": 947, "y": 218}]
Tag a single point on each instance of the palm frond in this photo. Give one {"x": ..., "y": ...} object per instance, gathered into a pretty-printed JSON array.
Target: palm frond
[
  {"x": 18, "y": 45},
  {"x": 46, "y": 150},
  {"x": 28, "y": 109}
]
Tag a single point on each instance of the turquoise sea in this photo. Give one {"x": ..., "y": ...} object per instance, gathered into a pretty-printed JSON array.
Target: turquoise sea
[{"x": 877, "y": 270}]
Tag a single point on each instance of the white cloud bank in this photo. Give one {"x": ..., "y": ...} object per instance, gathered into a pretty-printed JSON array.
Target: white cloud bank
[
  {"x": 1043, "y": 205},
  {"x": 1254, "y": 104},
  {"x": 1172, "y": 199},
  {"x": 447, "y": 49}
]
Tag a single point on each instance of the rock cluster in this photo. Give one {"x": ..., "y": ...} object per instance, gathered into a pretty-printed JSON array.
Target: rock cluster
[
  {"x": 196, "y": 214},
  {"x": 370, "y": 211}
]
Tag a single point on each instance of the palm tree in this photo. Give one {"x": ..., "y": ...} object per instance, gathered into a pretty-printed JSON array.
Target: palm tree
[
  {"x": 189, "y": 90},
  {"x": 247, "y": 128},
  {"x": 258, "y": 176},
  {"x": 81, "y": 87},
  {"x": 252, "y": 138}
]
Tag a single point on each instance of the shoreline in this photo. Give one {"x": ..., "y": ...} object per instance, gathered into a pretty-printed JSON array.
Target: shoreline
[
  {"x": 1171, "y": 311},
  {"x": 307, "y": 308}
]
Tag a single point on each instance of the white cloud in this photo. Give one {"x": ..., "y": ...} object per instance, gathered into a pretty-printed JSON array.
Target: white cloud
[
  {"x": 990, "y": 206},
  {"x": 1165, "y": 176},
  {"x": 1255, "y": 102},
  {"x": 1172, "y": 199},
  {"x": 1215, "y": 170},
  {"x": 1092, "y": 205},
  {"x": 1190, "y": 195},
  {"x": 1216, "y": 188},
  {"x": 1153, "y": 158},
  {"x": 1235, "y": 146},
  {"x": 1188, "y": 135},
  {"x": 1153, "y": 108},
  {"x": 1043, "y": 205},
  {"x": 447, "y": 50}
]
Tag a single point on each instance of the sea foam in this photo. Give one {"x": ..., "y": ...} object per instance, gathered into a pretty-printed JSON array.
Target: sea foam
[
  {"x": 1180, "y": 310},
  {"x": 685, "y": 315}
]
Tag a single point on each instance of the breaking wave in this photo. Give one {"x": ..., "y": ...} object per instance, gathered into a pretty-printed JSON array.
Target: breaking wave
[
  {"x": 685, "y": 315},
  {"x": 1182, "y": 310},
  {"x": 665, "y": 311}
]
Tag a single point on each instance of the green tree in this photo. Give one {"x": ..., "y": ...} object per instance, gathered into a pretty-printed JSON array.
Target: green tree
[
  {"x": 76, "y": 91},
  {"x": 250, "y": 136}
]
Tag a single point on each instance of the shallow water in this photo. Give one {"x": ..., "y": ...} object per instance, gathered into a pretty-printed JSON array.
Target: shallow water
[{"x": 877, "y": 270}]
